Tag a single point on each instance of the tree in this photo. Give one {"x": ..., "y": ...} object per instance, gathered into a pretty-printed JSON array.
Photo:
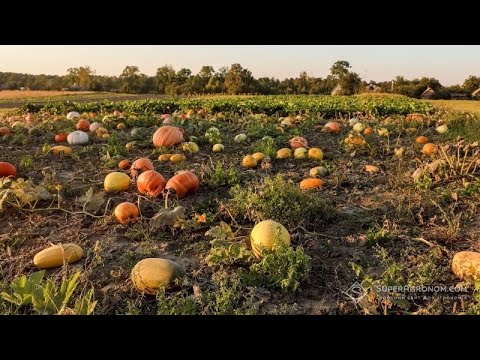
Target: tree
[
  {"x": 82, "y": 76},
  {"x": 165, "y": 76},
  {"x": 340, "y": 69},
  {"x": 472, "y": 83},
  {"x": 131, "y": 79},
  {"x": 238, "y": 80}
]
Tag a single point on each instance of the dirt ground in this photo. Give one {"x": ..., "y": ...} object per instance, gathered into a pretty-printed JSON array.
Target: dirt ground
[{"x": 379, "y": 218}]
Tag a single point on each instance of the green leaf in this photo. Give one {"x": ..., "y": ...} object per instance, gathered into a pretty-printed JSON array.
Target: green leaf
[{"x": 92, "y": 201}]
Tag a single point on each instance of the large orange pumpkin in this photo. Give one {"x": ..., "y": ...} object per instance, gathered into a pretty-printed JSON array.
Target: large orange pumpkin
[
  {"x": 298, "y": 142},
  {"x": 150, "y": 183},
  {"x": 7, "y": 169},
  {"x": 139, "y": 166},
  {"x": 83, "y": 125},
  {"x": 167, "y": 136},
  {"x": 184, "y": 182},
  {"x": 126, "y": 213}
]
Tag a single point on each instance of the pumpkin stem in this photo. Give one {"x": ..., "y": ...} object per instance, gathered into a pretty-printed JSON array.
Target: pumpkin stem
[{"x": 166, "y": 199}]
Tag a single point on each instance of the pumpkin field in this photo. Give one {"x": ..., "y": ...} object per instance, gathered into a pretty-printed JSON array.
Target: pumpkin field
[{"x": 240, "y": 205}]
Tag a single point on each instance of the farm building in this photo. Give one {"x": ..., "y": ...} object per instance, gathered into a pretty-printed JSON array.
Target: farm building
[
  {"x": 372, "y": 88},
  {"x": 458, "y": 96},
  {"x": 428, "y": 94},
  {"x": 337, "y": 90},
  {"x": 476, "y": 94}
]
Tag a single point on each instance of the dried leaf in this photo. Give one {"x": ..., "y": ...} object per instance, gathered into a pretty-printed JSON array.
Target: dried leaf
[
  {"x": 221, "y": 232},
  {"x": 200, "y": 219},
  {"x": 92, "y": 201},
  {"x": 167, "y": 217}
]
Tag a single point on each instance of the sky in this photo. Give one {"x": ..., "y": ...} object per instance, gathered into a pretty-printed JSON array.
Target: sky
[{"x": 451, "y": 64}]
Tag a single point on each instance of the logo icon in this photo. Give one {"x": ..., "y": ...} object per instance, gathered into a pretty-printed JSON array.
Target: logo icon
[{"x": 356, "y": 292}]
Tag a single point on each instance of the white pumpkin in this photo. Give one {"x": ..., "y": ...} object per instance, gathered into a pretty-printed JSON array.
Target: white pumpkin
[
  {"x": 77, "y": 138},
  {"x": 72, "y": 115},
  {"x": 95, "y": 126}
]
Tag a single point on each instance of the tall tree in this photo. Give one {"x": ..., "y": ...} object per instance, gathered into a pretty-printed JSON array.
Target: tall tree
[
  {"x": 82, "y": 76},
  {"x": 131, "y": 79},
  {"x": 165, "y": 76},
  {"x": 472, "y": 83},
  {"x": 238, "y": 80}
]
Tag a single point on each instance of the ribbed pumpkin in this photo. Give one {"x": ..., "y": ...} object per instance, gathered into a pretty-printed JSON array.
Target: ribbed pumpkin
[
  {"x": 57, "y": 255},
  {"x": 167, "y": 136},
  {"x": 7, "y": 169},
  {"x": 61, "y": 137},
  {"x": 116, "y": 181},
  {"x": 151, "y": 274},
  {"x": 332, "y": 127},
  {"x": 126, "y": 213},
  {"x": 308, "y": 184},
  {"x": 77, "y": 138},
  {"x": 4, "y": 131},
  {"x": 83, "y": 125},
  {"x": 139, "y": 166},
  {"x": 184, "y": 182},
  {"x": 298, "y": 142},
  {"x": 124, "y": 165},
  {"x": 72, "y": 115},
  {"x": 150, "y": 183},
  {"x": 264, "y": 233}
]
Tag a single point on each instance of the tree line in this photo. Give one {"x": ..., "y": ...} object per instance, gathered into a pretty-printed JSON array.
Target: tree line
[{"x": 230, "y": 80}]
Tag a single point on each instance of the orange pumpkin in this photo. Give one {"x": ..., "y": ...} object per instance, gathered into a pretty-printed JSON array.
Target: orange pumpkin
[
  {"x": 368, "y": 131},
  {"x": 429, "y": 149},
  {"x": 308, "y": 184},
  {"x": 7, "y": 169},
  {"x": 298, "y": 142},
  {"x": 117, "y": 113},
  {"x": 167, "y": 136},
  {"x": 150, "y": 183},
  {"x": 126, "y": 213},
  {"x": 29, "y": 118},
  {"x": 333, "y": 127},
  {"x": 124, "y": 165},
  {"x": 61, "y": 137},
  {"x": 421, "y": 140},
  {"x": 184, "y": 182},
  {"x": 83, "y": 125},
  {"x": 4, "y": 130},
  {"x": 372, "y": 169},
  {"x": 139, "y": 166}
]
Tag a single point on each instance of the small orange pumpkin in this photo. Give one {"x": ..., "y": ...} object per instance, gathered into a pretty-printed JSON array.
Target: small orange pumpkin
[
  {"x": 83, "y": 125},
  {"x": 332, "y": 127},
  {"x": 139, "y": 166},
  {"x": 308, "y": 184},
  {"x": 368, "y": 131},
  {"x": 126, "y": 213},
  {"x": 4, "y": 130},
  {"x": 184, "y": 182},
  {"x": 372, "y": 169},
  {"x": 150, "y": 183},
  {"x": 429, "y": 149},
  {"x": 7, "y": 169},
  {"x": 61, "y": 137},
  {"x": 421, "y": 140},
  {"x": 167, "y": 136},
  {"x": 249, "y": 162},
  {"x": 298, "y": 142},
  {"x": 124, "y": 165}
]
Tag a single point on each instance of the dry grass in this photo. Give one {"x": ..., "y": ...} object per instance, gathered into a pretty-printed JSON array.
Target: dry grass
[
  {"x": 16, "y": 94},
  {"x": 470, "y": 106}
]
